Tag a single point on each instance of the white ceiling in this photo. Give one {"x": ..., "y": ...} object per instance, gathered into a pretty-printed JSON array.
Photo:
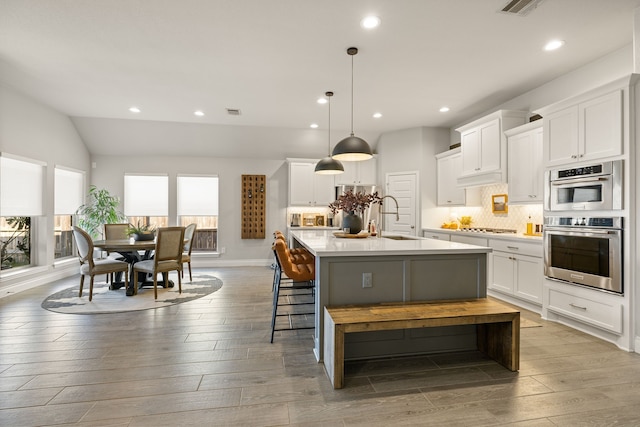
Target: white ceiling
[{"x": 272, "y": 59}]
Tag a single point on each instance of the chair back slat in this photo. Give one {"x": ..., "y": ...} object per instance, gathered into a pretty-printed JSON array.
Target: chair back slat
[
  {"x": 84, "y": 244},
  {"x": 169, "y": 244},
  {"x": 188, "y": 236},
  {"x": 116, "y": 231}
]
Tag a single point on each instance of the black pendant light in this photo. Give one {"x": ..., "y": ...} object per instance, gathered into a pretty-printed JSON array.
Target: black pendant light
[
  {"x": 329, "y": 165},
  {"x": 352, "y": 148}
]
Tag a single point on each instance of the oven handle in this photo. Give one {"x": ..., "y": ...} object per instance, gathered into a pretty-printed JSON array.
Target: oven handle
[
  {"x": 578, "y": 180},
  {"x": 570, "y": 229}
]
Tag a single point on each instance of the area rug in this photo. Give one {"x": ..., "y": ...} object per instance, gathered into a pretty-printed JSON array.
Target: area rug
[{"x": 116, "y": 301}]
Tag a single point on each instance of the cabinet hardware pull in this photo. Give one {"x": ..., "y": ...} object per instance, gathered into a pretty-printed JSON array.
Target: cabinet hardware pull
[
  {"x": 573, "y": 156},
  {"x": 513, "y": 248},
  {"x": 577, "y": 306}
]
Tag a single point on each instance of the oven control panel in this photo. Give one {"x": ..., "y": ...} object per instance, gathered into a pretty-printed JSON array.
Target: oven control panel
[
  {"x": 585, "y": 170},
  {"x": 572, "y": 221}
]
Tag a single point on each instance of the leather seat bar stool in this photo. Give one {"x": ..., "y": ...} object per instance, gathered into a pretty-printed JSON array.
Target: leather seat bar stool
[{"x": 302, "y": 279}]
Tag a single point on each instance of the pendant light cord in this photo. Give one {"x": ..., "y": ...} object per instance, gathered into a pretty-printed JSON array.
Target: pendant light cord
[
  {"x": 352, "y": 94},
  {"x": 329, "y": 125}
]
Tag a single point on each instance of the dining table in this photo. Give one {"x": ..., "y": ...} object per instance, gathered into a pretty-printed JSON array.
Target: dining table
[{"x": 132, "y": 251}]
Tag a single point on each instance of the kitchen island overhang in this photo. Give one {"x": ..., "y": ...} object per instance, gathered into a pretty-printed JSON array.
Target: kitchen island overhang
[{"x": 415, "y": 269}]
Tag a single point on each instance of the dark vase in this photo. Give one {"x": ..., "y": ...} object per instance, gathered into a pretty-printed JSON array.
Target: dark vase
[
  {"x": 144, "y": 236},
  {"x": 353, "y": 222}
]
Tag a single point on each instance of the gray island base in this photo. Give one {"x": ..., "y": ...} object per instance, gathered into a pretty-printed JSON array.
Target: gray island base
[{"x": 386, "y": 269}]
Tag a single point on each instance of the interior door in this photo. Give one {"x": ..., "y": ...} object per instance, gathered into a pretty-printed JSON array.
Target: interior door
[{"x": 402, "y": 186}]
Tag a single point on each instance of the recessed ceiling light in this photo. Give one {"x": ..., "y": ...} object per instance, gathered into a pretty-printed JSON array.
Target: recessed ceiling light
[
  {"x": 444, "y": 109},
  {"x": 134, "y": 109},
  {"x": 313, "y": 126},
  {"x": 377, "y": 115},
  {"x": 553, "y": 45},
  {"x": 322, "y": 100},
  {"x": 370, "y": 22},
  {"x": 198, "y": 113}
]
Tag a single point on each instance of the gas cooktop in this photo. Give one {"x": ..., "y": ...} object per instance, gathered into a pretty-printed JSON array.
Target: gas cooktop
[{"x": 488, "y": 230}]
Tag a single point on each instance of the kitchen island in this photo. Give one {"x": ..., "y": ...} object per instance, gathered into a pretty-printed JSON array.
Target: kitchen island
[{"x": 394, "y": 269}]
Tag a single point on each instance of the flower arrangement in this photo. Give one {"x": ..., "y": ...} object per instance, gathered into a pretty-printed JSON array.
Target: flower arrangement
[{"x": 354, "y": 202}]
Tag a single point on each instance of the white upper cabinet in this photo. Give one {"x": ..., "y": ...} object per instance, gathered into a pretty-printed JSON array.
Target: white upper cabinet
[
  {"x": 526, "y": 173},
  {"x": 306, "y": 188},
  {"x": 358, "y": 173},
  {"x": 588, "y": 130},
  {"x": 484, "y": 151},
  {"x": 448, "y": 169}
]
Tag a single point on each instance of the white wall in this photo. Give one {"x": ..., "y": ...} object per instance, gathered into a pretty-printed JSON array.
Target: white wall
[
  {"x": 414, "y": 150},
  {"x": 33, "y": 130},
  {"x": 109, "y": 173}
]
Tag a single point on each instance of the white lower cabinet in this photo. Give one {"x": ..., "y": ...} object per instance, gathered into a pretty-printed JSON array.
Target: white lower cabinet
[
  {"x": 470, "y": 240},
  {"x": 517, "y": 270},
  {"x": 592, "y": 307}
]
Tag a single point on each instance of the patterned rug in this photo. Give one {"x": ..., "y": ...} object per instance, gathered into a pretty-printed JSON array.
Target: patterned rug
[{"x": 116, "y": 301}]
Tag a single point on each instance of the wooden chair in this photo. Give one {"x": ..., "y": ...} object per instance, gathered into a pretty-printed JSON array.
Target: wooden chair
[
  {"x": 116, "y": 232},
  {"x": 186, "y": 254},
  {"x": 92, "y": 267},
  {"x": 167, "y": 257},
  {"x": 302, "y": 277}
]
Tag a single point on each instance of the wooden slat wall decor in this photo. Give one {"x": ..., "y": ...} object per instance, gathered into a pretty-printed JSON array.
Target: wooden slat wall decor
[{"x": 254, "y": 198}]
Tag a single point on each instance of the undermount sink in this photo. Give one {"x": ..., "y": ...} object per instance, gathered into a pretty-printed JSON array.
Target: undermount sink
[{"x": 400, "y": 237}]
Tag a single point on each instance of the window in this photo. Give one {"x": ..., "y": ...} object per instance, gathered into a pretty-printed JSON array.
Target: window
[
  {"x": 68, "y": 195},
  {"x": 146, "y": 199},
  {"x": 21, "y": 187},
  {"x": 198, "y": 203}
]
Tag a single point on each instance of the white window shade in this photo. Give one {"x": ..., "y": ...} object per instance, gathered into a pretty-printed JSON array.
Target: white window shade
[
  {"x": 21, "y": 186},
  {"x": 146, "y": 195},
  {"x": 69, "y": 189},
  {"x": 197, "y": 195}
]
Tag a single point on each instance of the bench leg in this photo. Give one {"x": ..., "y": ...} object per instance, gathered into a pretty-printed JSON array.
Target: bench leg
[
  {"x": 501, "y": 342},
  {"x": 334, "y": 351}
]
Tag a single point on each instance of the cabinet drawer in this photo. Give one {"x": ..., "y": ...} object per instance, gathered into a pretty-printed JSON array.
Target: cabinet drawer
[
  {"x": 595, "y": 311},
  {"x": 436, "y": 235},
  {"x": 470, "y": 240},
  {"x": 524, "y": 248}
]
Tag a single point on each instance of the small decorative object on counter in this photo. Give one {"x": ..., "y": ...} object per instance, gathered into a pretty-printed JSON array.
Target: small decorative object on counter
[
  {"x": 353, "y": 204},
  {"x": 372, "y": 228},
  {"x": 529, "y": 226}
]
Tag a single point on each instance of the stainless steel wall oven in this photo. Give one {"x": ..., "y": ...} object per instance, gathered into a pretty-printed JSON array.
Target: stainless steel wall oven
[
  {"x": 594, "y": 187},
  {"x": 585, "y": 251}
]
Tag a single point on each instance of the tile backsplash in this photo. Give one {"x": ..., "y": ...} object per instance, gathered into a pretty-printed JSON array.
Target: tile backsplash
[{"x": 516, "y": 218}]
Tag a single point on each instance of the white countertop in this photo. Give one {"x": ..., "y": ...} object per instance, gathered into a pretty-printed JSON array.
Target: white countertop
[
  {"x": 324, "y": 243},
  {"x": 501, "y": 236}
]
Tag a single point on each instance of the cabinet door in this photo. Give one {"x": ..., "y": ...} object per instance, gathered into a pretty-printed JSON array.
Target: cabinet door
[
  {"x": 490, "y": 152},
  {"x": 503, "y": 272},
  {"x": 448, "y": 170},
  {"x": 561, "y": 137},
  {"x": 470, "y": 142},
  {"x": 600, "y": 131},
  {"x": 323, "y": 189},
  {"x": 367, "y": 172},
  {"x": 301, "y": 183},
  {"x": 525, "y": 167},
  {"x": 435, "y": 235},
  {"x": 529, "y": 278},
  {"x": 349, "y": 176}
]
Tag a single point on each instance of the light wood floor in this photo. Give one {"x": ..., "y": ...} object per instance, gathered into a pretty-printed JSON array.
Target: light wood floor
[{"x": 209, "y": 363}]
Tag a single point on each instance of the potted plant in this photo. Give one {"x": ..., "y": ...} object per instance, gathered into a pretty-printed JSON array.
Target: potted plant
[
  {"x": 353, "y": 204},
  {"x": 141, "y": 231},
  {"x": 101, "y": 208}
]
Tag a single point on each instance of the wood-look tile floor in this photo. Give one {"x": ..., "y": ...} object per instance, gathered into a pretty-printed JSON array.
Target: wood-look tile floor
[{"x": 209, "y": 363}]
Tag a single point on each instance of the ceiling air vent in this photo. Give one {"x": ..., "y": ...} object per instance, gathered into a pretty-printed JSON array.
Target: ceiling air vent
[
  {"x": 233, "y": 111},
  {"x": 520, "y": 7}
]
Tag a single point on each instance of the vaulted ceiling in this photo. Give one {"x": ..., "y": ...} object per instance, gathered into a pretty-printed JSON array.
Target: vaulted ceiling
[{"x": 272, "y": 59}]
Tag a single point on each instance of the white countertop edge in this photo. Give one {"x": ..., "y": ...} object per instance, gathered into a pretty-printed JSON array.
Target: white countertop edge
[
  {"x": 501, "y": 236},
  {"x": 324, "y": 244}
]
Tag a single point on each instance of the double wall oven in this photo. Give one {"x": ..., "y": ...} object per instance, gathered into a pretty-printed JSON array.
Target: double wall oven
[{"x": 581, "y": 249}]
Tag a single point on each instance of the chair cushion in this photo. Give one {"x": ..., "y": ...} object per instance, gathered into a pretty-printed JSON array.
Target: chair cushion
[
  {"x": 147, "y": 266},
  {"x": 102, "y": 266}
]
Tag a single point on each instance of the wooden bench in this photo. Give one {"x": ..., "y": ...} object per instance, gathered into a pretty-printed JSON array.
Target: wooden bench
[{"x": 498, "y": 331}]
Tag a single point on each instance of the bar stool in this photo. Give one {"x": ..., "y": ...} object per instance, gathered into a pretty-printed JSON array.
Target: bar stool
[
  {"x": 298, "y": 256},
  {"x": 302, "y": 278}
]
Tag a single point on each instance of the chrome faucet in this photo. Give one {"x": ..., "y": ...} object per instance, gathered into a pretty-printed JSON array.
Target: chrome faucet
[{"x": 381, "y": 212}]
